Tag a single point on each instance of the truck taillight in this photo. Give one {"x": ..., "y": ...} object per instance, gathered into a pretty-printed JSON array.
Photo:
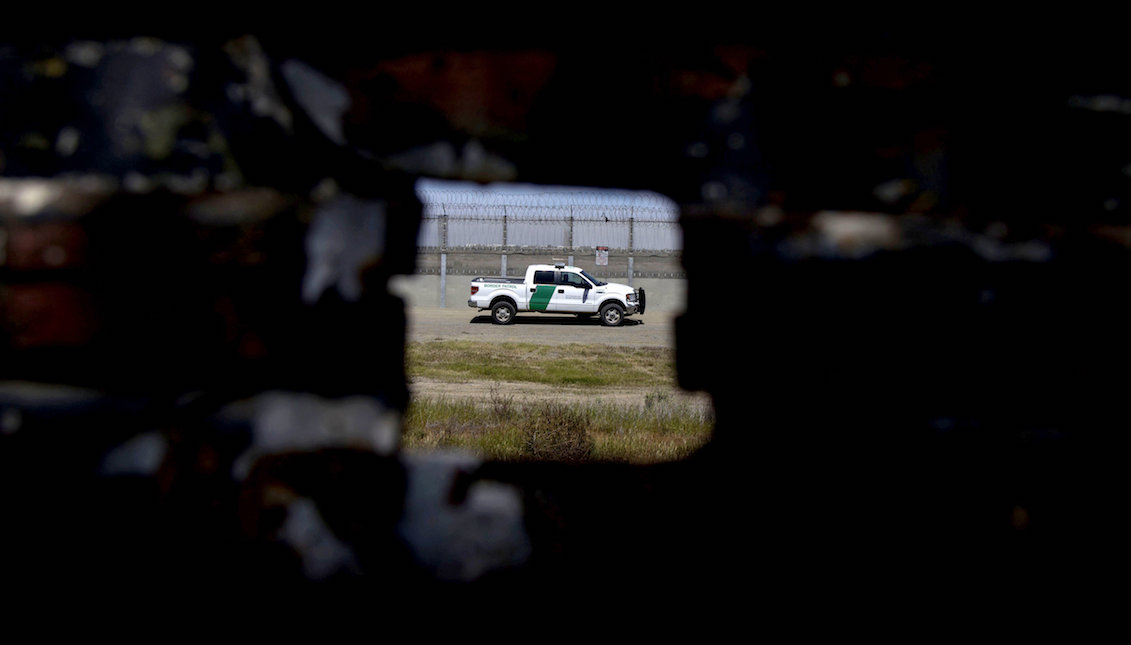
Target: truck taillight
[{"x": 474, "y": 290}]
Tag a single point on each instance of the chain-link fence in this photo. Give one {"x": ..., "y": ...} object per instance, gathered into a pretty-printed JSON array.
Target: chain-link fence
[
  {"x": 566, "y": 220},
  {"x": 481, "y": 228}
]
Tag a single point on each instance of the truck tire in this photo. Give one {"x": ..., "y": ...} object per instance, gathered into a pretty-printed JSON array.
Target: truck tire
[
  {"x": 502, "y": 313},
  {"x": 612, "y": 315}
]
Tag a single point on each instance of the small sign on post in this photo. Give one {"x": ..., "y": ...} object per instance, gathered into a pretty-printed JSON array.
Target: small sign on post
[{"x": 602, "y": 256}]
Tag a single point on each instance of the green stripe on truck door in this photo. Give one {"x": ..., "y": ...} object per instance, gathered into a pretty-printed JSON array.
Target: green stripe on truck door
[{"x": 540, "y": 299}]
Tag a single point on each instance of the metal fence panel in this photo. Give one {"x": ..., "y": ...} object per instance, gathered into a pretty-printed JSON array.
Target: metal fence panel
[
  {"x": 429, "y": 235},
  {"x": 538, "y": 233},
  {"x": 612, "y": 234},
  {"x": 488, "y": 232},
  {"x": 474, "y": 232},
  {"x": 657, "y": 236},
  {"x": 568, "y": 220}
]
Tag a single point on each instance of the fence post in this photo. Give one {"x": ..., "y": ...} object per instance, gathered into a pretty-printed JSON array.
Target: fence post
[
  {"x": 443, "y": 256},
  {"x": 571, "y": 236},
  {"x": 631, "y": 226},
  {"x": 504, "y": 254}
]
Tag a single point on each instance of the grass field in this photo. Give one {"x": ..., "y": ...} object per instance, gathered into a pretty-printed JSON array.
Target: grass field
[{"x": 652, "y": 426}]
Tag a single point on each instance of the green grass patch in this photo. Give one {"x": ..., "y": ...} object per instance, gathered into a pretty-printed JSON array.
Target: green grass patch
[
  {"x": 579, "y": 364},
  {"x": 658, "y": 429}
]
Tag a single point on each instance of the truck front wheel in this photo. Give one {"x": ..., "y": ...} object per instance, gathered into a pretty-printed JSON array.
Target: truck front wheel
[
  {"x": 612, "y": 315},
  {"x": 502, "y": 313}
]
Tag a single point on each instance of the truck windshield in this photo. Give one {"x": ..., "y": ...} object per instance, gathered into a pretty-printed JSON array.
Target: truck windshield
[{"x": 592, "y": 279}]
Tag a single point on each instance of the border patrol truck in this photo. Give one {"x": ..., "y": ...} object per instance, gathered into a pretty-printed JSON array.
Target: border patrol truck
[{"x": 555, "y": 289}]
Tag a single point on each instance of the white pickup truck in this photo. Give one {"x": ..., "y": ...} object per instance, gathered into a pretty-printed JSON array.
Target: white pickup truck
[{"x": 555, "y": 289}]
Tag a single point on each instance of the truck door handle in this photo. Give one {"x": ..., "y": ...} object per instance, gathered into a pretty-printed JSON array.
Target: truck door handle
[
  {"x": 532, "y": 289},
  {"x": 561, "y": 290}
]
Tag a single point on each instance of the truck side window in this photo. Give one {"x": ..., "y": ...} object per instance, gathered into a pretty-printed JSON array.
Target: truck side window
[
  {"x": 544, "y": 277},
  {"x": 573, "y": 279}
]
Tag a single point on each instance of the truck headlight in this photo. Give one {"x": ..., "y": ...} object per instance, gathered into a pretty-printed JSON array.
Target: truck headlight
[{"x": 631, "y": 297}]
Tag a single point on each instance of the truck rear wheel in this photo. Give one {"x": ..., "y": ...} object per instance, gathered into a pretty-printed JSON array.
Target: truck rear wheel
[
  {"x": 502, "y": 313},
  {"x": 612, "y": 315}
]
